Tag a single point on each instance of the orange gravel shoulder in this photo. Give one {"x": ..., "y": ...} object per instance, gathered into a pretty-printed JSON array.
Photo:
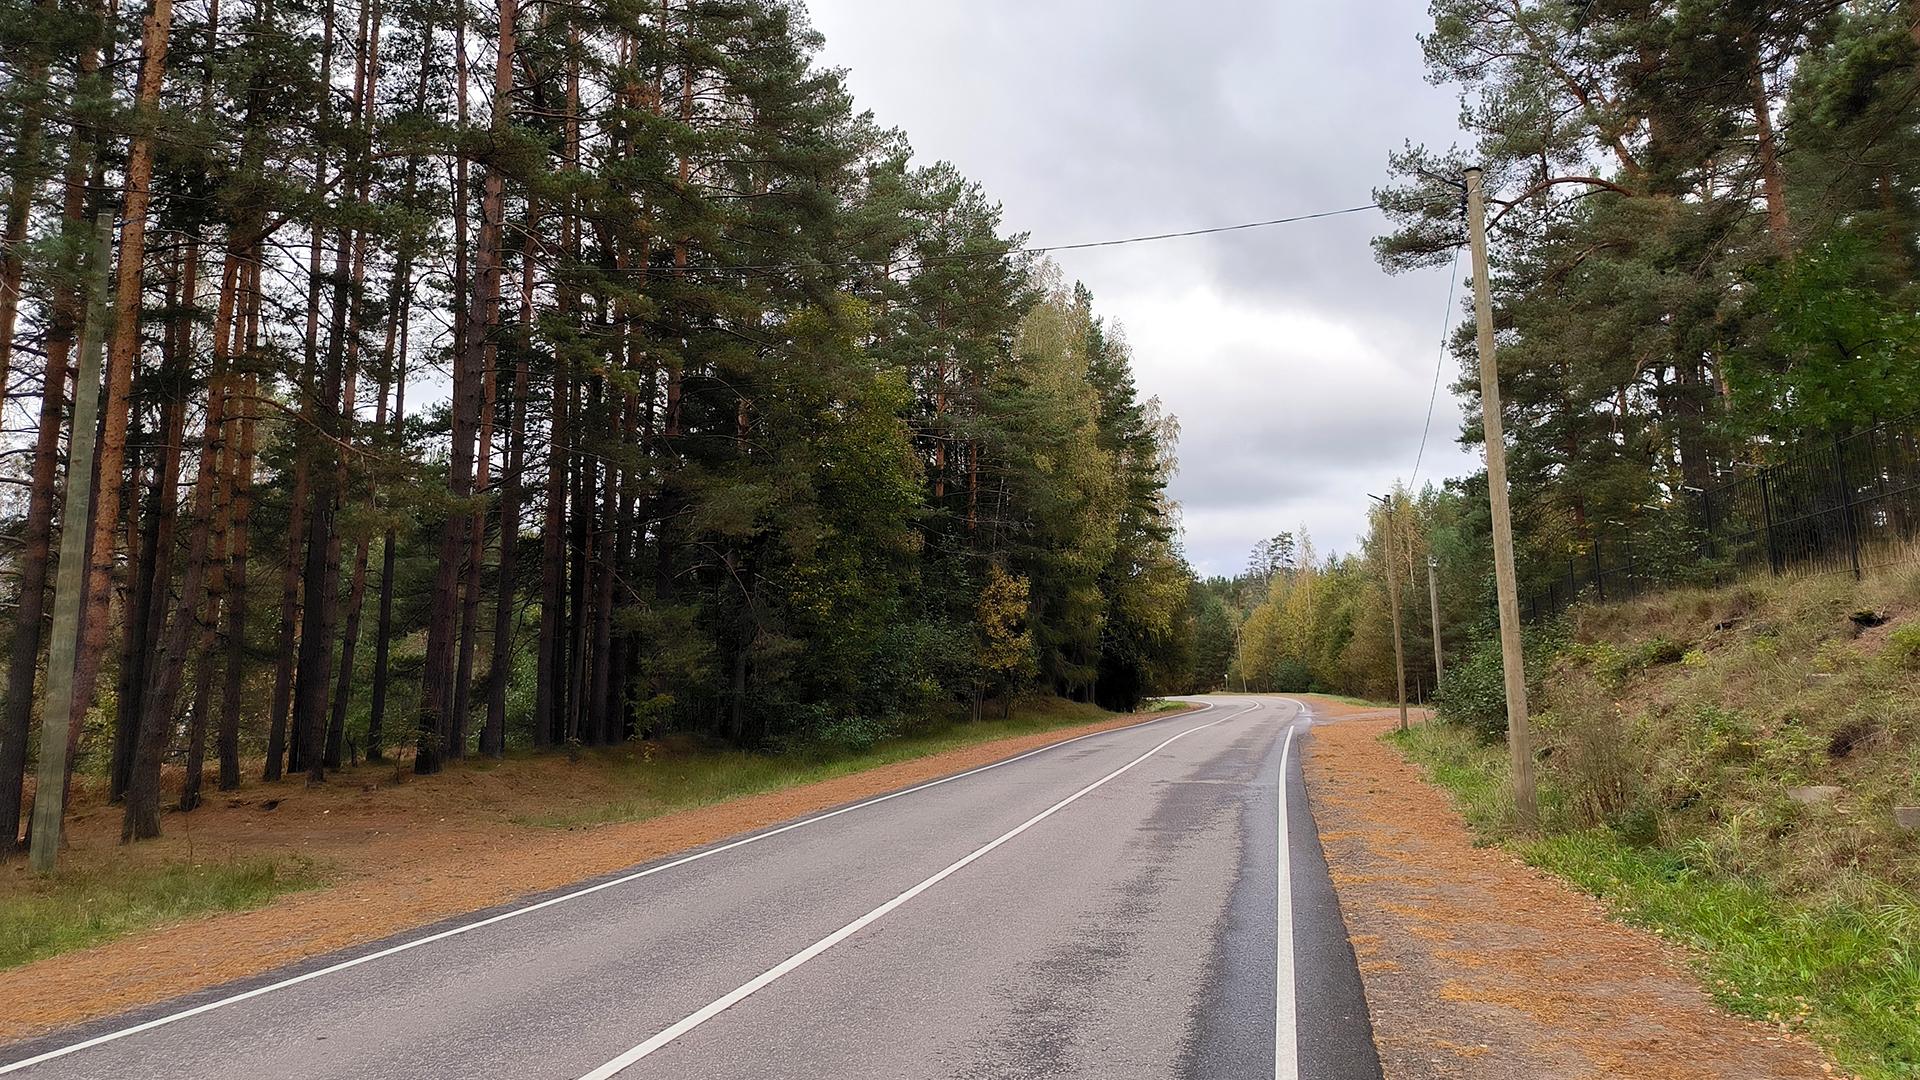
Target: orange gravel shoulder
[
  {"x": 1478, "y": 966},
  {"x": 401, "y": 853}
]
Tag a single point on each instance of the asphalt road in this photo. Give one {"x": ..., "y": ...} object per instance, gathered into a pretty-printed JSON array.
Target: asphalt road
[{"x": 1111, "y": 907}]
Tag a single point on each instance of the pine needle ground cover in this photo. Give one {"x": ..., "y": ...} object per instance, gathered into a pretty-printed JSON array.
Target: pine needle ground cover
[
  {"x": 658, "y": 778},
  {"x": 1720, "y": 766},
  {"x": 370, "y": 823}
]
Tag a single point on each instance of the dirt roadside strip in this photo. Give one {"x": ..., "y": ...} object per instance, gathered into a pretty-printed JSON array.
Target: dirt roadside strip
[
  {"x": 399, "y": 879},
  {"x": 1479, "y": 966}
]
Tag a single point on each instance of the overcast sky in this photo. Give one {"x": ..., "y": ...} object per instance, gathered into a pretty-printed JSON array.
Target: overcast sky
[{"x": 1299, "y": 371}]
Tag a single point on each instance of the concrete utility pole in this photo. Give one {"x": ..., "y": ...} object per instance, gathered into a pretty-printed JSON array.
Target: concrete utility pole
[
  {"x": 1433, "y": 598},
  {"x": 1519, "y": 735},
  {"x": 50, "y": 790},
  {"x": 1393, "y": 602}
]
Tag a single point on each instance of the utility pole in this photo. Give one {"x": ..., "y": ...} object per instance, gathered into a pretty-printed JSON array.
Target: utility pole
[
  {"x": 1393, "y": 602},
  {"x": 50, "y": 791},
  {"x": 1433, "y": 599},
  {"x": 1519, "y": 737}
]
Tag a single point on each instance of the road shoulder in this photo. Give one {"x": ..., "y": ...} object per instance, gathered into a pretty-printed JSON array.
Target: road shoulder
[{"x": 1476, "y": 965}]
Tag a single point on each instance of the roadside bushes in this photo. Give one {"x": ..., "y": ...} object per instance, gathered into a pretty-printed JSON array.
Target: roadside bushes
[
  {"x": 1598, "y": 757},
  {"x": 1473, "y": 691}
]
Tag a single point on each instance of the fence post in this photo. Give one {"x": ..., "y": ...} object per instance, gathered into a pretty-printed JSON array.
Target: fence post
[
  {"x": 1766, "y": 518},
  {"x": 1706, "y": 526},
  {"x": 1599, "y": 575},
  {"x": 1846, "y": 504}
]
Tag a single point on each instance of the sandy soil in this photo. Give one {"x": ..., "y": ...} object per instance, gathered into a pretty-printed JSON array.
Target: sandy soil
[
  {"x": 400, "y": 852},
  {"x": 1478, "y": 966}
]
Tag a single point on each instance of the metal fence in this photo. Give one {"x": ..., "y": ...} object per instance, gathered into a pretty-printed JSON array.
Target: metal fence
[{"x": 1842, "y": 506}]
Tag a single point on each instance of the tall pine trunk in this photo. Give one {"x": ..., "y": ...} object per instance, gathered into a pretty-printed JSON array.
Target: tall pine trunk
[
  {"x": 28, "y": 147},
  {"x": 36, "y": 541},
  {"x": 142, "y": 818},
  {"x": 437, "y": 729},
  {"x": 548, "y": 698},
  {"x": 204, "y": 654},
  {"x": 150, "y": 563},
  {"x": 394, "y": 365},
  {"x": 436, "y": 698},
  {"x": 123, "y": 355},
  {"x": 282, "y": 703},
  {"x": 493, "y": 737},
  {"x": 242, "y": 504},
  {"x": 1773, "y": 178},
  {"x": 366, "y": 80},
  {"x": 383, "y": 622}
]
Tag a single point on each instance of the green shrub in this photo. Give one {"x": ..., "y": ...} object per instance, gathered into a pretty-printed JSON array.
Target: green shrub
[
  {"x": 1473, "y": 691},
  {"x": 1903, "y": 646},
  {"x": 852, "y": 734},
  {"x": 1292, "y": 675},
  {"x": 1658, "y": 651},
  {"x": 1596, "y": 756},
  {"x": 1613, "y": 665}
]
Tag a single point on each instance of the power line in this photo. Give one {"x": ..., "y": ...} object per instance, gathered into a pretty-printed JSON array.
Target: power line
[
  {"x": 1439, "y": 362},
  {"x": 1208, "y": 232},
  {"x": 1002, "y": 251}
]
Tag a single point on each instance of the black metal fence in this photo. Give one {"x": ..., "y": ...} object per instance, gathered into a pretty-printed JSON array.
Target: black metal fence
[{"x": 1842, "y": 506}]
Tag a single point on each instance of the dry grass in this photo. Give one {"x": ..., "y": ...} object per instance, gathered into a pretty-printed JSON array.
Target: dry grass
[
  {"x": 1468, "y": 947},
  {"x": 1759, "y": 688},
  {"x": 1676, "y": 729}
]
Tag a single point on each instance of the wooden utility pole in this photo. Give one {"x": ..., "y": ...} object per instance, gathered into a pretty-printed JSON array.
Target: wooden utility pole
[
  {"x": 1519, "y": 737},
  {"x": 50, "y": 794},
  {"x": 1392, "y": 556},
  {"x": 1433, "y": 599}
]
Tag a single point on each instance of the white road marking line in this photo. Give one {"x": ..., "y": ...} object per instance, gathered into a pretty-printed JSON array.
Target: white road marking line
[
  {"x": 740, "y": 993},
  {"x": 1286, "y": 1035},
  {"x": 162, "y": 1021}
]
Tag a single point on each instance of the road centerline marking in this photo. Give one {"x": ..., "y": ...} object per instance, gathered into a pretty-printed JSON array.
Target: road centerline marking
[
  {"x": 455, "y": 931},
  {"x": 740, "y": 993}
]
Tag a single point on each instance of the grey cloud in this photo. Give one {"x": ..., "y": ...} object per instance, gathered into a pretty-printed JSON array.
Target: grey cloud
[{"x": 1091, "y": 119}]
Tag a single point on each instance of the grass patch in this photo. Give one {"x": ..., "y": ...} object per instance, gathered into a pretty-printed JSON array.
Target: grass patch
[
  {"x": 1476, "y": 773},
  {"x": 1848, "y": 974},
  {"x": 74, "y": 910},
  {"x": 1358, "y": 702},
  {"x": 661, "y": 779}
]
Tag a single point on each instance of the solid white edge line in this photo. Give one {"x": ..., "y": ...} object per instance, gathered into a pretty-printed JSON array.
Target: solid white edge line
[
  {"x": 740, "y": 993},
  {"x": 162, "y": 1021},
  {"x": 1286, "y": 1034}
]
